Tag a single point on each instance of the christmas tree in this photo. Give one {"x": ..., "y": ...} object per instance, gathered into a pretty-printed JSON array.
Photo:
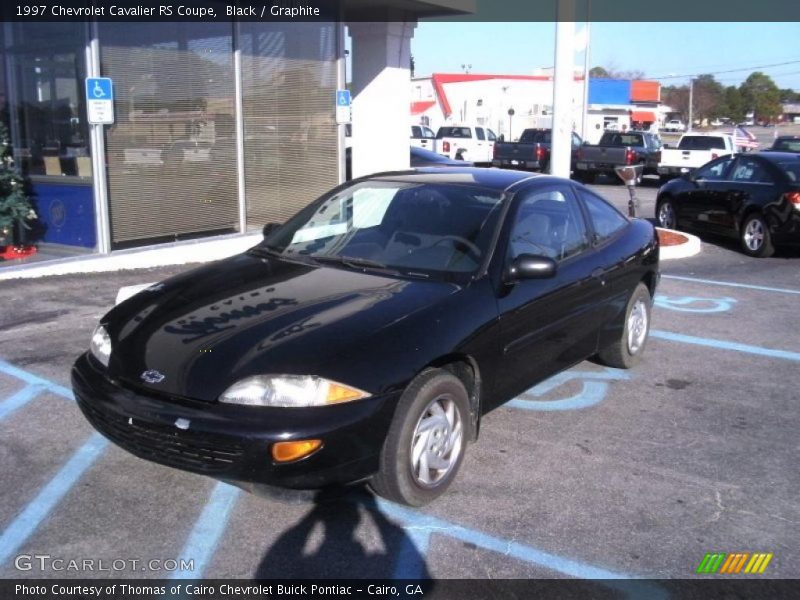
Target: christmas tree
[{"x": 15, "y": 205}]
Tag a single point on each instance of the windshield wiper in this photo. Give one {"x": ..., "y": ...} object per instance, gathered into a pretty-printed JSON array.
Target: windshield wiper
[{"x": 350, "y": 261}]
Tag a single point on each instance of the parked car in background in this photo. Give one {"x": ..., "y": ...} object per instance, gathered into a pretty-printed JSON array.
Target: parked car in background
[
  {"x": 422, "y": 137},
  {"x": 785, "y": 143},
  {"x": 616, "y": 149},
  {"x": 693, "y": 150},
  {"x": 752, "y": 196},
  {"x": 531, "y": 152},
  {"x": 466, "y": 142},
  {"x": 365, "y": 338},
  {"x": 419, "y": 157},
  {"x": 674, "y": 125}
]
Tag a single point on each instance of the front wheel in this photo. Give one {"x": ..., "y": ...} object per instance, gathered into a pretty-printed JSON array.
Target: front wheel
[
  {"x": 755, "y": 237},
  {"x": 627, "y": 351},
  {"x": 426, "y": 442},
  {"x": 666, "y": 215}
]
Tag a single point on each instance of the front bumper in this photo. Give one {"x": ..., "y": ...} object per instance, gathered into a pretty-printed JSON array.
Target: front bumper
[{"x": 231, "y": 442}]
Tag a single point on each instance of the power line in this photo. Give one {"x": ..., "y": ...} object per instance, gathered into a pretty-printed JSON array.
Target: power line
[{"x": 692, "y": 75}]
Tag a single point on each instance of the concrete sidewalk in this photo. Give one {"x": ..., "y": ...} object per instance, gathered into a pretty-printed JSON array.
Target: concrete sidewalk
[{"x": 178, "y": 253}]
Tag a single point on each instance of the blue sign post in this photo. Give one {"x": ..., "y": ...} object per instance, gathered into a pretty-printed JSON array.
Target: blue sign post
[{"x": 100, "y": 100}]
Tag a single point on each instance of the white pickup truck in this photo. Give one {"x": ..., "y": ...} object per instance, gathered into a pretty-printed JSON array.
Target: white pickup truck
[
  {"x": 693, "y": 150},
  {"x": 466, "y": 142}
]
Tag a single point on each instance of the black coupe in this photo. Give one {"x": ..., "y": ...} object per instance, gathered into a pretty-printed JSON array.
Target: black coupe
[
  {"x": 754, "y": 197},
  {"x": 365, "y": 338}
]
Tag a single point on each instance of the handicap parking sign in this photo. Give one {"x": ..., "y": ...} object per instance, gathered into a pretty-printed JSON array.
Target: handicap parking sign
[
  {"x": 342, "y": 106},
  {"x": 100, "y": 100}
]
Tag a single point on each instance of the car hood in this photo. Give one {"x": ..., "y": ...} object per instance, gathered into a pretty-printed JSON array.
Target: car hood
[{"x": 196, "y": 334}]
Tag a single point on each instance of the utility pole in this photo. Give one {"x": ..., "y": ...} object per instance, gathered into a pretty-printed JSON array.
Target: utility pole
[
  {"x": 563, "y": 87},
  {"x": 691, "y": 102}
]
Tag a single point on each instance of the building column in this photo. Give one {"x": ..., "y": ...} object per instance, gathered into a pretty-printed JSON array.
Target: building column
[
  {"x": 381, "y": 96},
  {"x": 563, "y": 88}
]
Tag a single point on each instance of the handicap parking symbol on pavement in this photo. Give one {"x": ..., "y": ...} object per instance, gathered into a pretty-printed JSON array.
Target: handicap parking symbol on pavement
[
  {"x": 692, "y": 304},
  {"x": 594, "y": 389}
]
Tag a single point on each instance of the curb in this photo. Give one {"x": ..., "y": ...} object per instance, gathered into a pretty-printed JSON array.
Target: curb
[{"x": 689, "y": 248}]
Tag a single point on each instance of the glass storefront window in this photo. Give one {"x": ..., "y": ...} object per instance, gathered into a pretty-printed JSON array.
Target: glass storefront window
[{"x": 46, "y": 70}]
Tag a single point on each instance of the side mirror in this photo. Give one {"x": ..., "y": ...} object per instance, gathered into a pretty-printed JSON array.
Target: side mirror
[
  {"x": 530, "y": 266},
  {"x": 269, "y": 228}
]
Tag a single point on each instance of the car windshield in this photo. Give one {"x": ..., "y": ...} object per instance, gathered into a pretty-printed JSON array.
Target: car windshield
[
  {"x": 787, "y": 145},
  {"x": 431, "y": 230}
]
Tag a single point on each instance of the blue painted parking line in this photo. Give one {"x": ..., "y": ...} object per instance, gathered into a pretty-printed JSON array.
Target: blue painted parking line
[
  {"x": 32, "y": 379},
  {"x": 762, "y": 288},
  {"x": 415, "y": 520},
  {"x": 19, "y": 399},
  {"x": 37, "y": 510},
  {"x": 208, "y": 529},
  {"x": 724, "y": 345}
]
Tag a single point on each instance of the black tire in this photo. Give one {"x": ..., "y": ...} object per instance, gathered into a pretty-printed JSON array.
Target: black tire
[
  {"x": 621, "y": 354},
  {"x": 755, "y": 237},
  {"x": 396, "y": 479},
  {"x": 586, "y": 176},
  {"x": 666, "y": 215}
]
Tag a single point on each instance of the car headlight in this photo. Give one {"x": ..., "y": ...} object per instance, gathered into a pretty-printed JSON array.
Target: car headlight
[
  {"x": 100, "y": 347},
  {"x": 289, "y": 391}
]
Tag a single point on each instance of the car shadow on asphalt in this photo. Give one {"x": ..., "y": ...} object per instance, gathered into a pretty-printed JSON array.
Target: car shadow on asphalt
[{"x": 328, "y": 542}]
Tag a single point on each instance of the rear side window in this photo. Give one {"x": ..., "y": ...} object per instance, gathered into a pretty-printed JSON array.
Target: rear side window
[
  {"x": 454, "y": 132},
  {"x": 792, "y": 171},
  {"x": 750, "y": 170},
  {"x": 702, "y": 143},
  {"x": 479, "y": 133},
  {"x": 606, "y": 219}
]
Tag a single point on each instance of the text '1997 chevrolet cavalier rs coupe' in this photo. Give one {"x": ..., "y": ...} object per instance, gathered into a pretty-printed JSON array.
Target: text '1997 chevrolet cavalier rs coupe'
[{"x": 364, "y": 339}]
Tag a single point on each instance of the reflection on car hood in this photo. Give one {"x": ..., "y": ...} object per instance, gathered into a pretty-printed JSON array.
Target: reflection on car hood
[{"x": 200, "y": 332}]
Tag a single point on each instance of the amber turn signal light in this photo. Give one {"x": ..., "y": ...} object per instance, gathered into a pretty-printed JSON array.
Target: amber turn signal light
[{"x": 289, "y": 451}]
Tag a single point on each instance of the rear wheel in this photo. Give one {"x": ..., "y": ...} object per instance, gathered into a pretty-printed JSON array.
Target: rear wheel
[
  {"x": 755, "y": 237},
  {"x": 627, "y": 351},
  {"x": 426, "y": 442},
  {"x": 666, "y": 215}
]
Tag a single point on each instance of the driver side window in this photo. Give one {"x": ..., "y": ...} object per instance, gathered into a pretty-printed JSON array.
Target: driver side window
[
  {"x": 715, "y": 171},
  {"x": 548, "y": 223}
]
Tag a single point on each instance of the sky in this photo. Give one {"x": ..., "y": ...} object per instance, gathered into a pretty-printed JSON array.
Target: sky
[{"x": 657, "y": 49}]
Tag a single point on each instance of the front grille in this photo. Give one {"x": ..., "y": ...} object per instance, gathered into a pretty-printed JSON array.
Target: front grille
[{"x": 165, "y": 444}]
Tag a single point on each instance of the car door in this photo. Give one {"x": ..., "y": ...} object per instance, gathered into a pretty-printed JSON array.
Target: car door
[
  {"x": 547, "y": 325},
  {"x": 705, "y": 186},
  {"x": 750, "y": 183},
  {"x": 482, "y": 153}
]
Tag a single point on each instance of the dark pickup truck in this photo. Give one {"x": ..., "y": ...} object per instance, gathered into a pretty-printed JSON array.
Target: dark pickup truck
[
  {"x": 617, "y": 149},
  {"x": 531, "y": 152}
]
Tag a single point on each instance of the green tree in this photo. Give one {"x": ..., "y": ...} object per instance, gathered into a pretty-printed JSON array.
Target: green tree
[
  {"x": 760, "y": 94},
  {"x": 598, "y": 73},
  {"x": 789, "y": 96},
  {"x": 708, "y": 94},
  {"x": 15, "y": 206},
  {"x": 732, "y": 105}
]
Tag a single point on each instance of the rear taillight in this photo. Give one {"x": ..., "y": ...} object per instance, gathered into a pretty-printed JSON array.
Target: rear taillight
[
  {"x": 630, "y": 156},
  {"x": 540, "y": 152},
  {"x": 714, "y": 156},
  {"x": 446, "y": 146},
  {"x": 793, "y": 198}
]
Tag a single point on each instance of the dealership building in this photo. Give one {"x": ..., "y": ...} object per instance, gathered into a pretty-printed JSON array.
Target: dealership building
[{"x": 219, "y": 127}]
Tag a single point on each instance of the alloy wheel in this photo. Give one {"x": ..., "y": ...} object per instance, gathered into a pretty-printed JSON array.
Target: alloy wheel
[{"x": 637, "y": 326}]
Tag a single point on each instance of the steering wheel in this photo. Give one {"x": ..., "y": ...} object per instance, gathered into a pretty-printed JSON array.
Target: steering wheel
[{"x": 457, "y": 241}]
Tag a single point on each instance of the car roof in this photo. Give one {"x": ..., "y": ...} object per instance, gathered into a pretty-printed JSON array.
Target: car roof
[
  {"x": 494, "y": 179},
  {"x": 776, "y": 157}
]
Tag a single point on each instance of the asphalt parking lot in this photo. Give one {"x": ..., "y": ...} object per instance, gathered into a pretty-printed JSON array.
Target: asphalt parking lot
[{"x": 595, "y": 473}]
